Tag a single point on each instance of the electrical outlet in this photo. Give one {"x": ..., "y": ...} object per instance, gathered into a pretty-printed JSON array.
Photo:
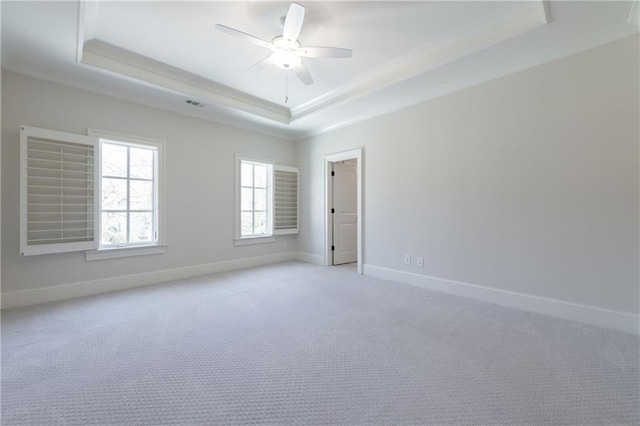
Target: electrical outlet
[
  {"x": 420, "y": 261},
  {"x": 407, "y": 259}
]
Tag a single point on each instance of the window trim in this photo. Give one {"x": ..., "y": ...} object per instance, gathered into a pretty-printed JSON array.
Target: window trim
[
  {"x": 239, "y": 240},
  {"x": 128, "y": 251},
  {"x": 132, "y": 249}
]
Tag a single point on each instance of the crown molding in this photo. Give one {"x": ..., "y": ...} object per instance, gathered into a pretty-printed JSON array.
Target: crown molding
[
  {"x": 87, "y": 22},
  {"x": 540, "y": 58},
  {"x": 107, "y": 56},
  {"x": 545, "y": 10},
  {"x": 508, "y": 22},
  {"x": 634, "y": 14}
]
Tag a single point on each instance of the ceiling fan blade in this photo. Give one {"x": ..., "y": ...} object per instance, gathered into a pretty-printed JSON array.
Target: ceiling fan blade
[
  {"x": 293, "y": 22},
  {"x": 244, "y": 36},
  {"x": 303, "y": 74},
  {"x": 260, "y": 65},
  {"x": 324, "y": 52}
]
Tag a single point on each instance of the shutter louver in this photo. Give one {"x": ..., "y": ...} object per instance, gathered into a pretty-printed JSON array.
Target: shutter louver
[
  {"x": 285, "y": 200},
  {"x": 58, "y": 192}
]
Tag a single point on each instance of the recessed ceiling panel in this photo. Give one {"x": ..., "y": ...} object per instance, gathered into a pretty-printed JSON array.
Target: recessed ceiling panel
[
  {"x": 183, "y": 34},
  {"x": 162, "y": 53}
]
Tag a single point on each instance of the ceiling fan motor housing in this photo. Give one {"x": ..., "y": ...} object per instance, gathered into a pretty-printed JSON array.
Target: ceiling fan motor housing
[{"x": 286, "y": 53}]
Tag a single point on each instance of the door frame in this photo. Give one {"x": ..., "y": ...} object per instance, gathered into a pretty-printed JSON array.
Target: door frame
[{"x": 355, "y": 154}]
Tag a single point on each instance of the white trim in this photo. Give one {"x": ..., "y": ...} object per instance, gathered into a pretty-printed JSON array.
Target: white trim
[
  {"x": 545, "y": 10},
  {"x": 620, "y": 321},
  {"x": 253, "y": 240},
  {"x": 118, "y": 252},
  {"x": 315, "y": 259},
  {"x": 555, "y": 53},
  {"x": 291, "y": 169},
  {"x": 115, "y": 136},
  {"x": 508, "y": 22},
  {"x": 34, "y": 296},
  {"x": 87, "y": 22},
  {"x": 332, "y": 158},
  {"x": 633, "y": 13},
  {"x": 106, "y": 56},
  {"x": 291, "y": 231},
  {"x": 160, "y": 179}
]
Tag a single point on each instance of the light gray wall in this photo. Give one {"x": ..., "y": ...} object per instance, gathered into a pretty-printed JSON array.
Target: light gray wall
[
  {"x": 0, "y": 153},
  {"x": 199, "y": 181},
  {"x": 527, "y": 183}
]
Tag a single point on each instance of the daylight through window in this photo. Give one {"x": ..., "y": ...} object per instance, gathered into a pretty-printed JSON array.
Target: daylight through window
[
  {"x": 128, "y": 186},
  {"x": 255, "y": 198}
]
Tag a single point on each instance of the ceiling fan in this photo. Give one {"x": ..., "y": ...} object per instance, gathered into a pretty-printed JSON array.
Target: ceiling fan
[{"x": 286, "y": 51}]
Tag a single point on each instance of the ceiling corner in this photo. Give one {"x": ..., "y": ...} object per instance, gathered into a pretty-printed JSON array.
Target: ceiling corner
[
  {"x": 634, "y": 14},
  {"x": 510, "y": 21},
  {"x": 545, "y": 10},
  {"x": 130, "y": 64},
  {"x": 87, "y": 23}
]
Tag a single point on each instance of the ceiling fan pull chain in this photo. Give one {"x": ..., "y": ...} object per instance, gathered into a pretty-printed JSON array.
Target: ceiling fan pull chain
[{"x": 286, "y": 90}]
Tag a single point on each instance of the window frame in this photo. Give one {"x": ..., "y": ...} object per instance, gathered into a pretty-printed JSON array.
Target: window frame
[
  {"x": 253, "y": 239},
  {"x": 158, "y": 245}
]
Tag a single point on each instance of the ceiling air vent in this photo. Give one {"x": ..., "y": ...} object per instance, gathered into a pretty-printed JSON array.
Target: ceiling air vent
[{"x": 194, "y": 103}]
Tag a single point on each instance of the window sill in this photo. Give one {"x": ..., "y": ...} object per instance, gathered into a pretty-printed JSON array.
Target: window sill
[
  {"x": 117, "y": 252},
  {"x": 286, "y": 231},
  {"x": 254, "y": 240}
]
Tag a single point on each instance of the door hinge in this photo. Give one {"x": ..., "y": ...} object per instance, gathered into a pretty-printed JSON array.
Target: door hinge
[
  {"x": 333, "y": 210},
  {"x": 333, "y": 248},
  {"x": 333, "y": 173}
]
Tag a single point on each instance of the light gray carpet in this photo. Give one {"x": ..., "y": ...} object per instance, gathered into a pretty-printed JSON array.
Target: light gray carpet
[{"x": 300, "y": 344}]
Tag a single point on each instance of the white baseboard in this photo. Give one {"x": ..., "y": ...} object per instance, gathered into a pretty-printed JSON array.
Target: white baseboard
[
  {"x": 620, "y": 321},
  {"x": 14, "y": 299},
  {"x": 316, "y": 259}
]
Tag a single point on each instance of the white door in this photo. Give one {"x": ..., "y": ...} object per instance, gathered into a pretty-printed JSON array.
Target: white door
[{"x": 345, "y": 228}]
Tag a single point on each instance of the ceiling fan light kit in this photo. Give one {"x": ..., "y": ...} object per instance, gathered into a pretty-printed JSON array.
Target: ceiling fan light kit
[
  {"x": 287, "y": 51},
  {"x": 286, "y": 55}
]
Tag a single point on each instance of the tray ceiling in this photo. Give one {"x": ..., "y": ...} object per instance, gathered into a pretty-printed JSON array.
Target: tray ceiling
[{"x": 164, "y": 53}]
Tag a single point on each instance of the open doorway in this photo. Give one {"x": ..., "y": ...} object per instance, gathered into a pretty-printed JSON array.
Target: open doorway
[{"x": 343, "y": 209}]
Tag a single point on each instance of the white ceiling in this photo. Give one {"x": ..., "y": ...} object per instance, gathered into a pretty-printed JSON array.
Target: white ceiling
[{"x": 162, "y": 53}]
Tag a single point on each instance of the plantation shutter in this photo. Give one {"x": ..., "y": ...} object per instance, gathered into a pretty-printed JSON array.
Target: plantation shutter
[
  {"x": 285, "y": 200},
  {"x": 58, "y": 192}
]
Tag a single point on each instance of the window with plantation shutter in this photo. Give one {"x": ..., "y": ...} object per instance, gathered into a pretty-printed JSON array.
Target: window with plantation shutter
[
  {"x": 58, "y": 192},
  {"x": 285, "y": 200}
]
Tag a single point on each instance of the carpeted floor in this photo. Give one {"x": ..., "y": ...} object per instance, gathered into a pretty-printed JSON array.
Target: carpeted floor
[{"x": 295, "y": 343}]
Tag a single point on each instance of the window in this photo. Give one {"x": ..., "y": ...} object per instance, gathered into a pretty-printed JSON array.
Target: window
[
  {"x": 266, "y": 200},
  {"x": 130, "y": 184},
  {"x": 255, "y": 198},
  {"x": 79, "y": 193},
  {"x": 128, "y": 188}
]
